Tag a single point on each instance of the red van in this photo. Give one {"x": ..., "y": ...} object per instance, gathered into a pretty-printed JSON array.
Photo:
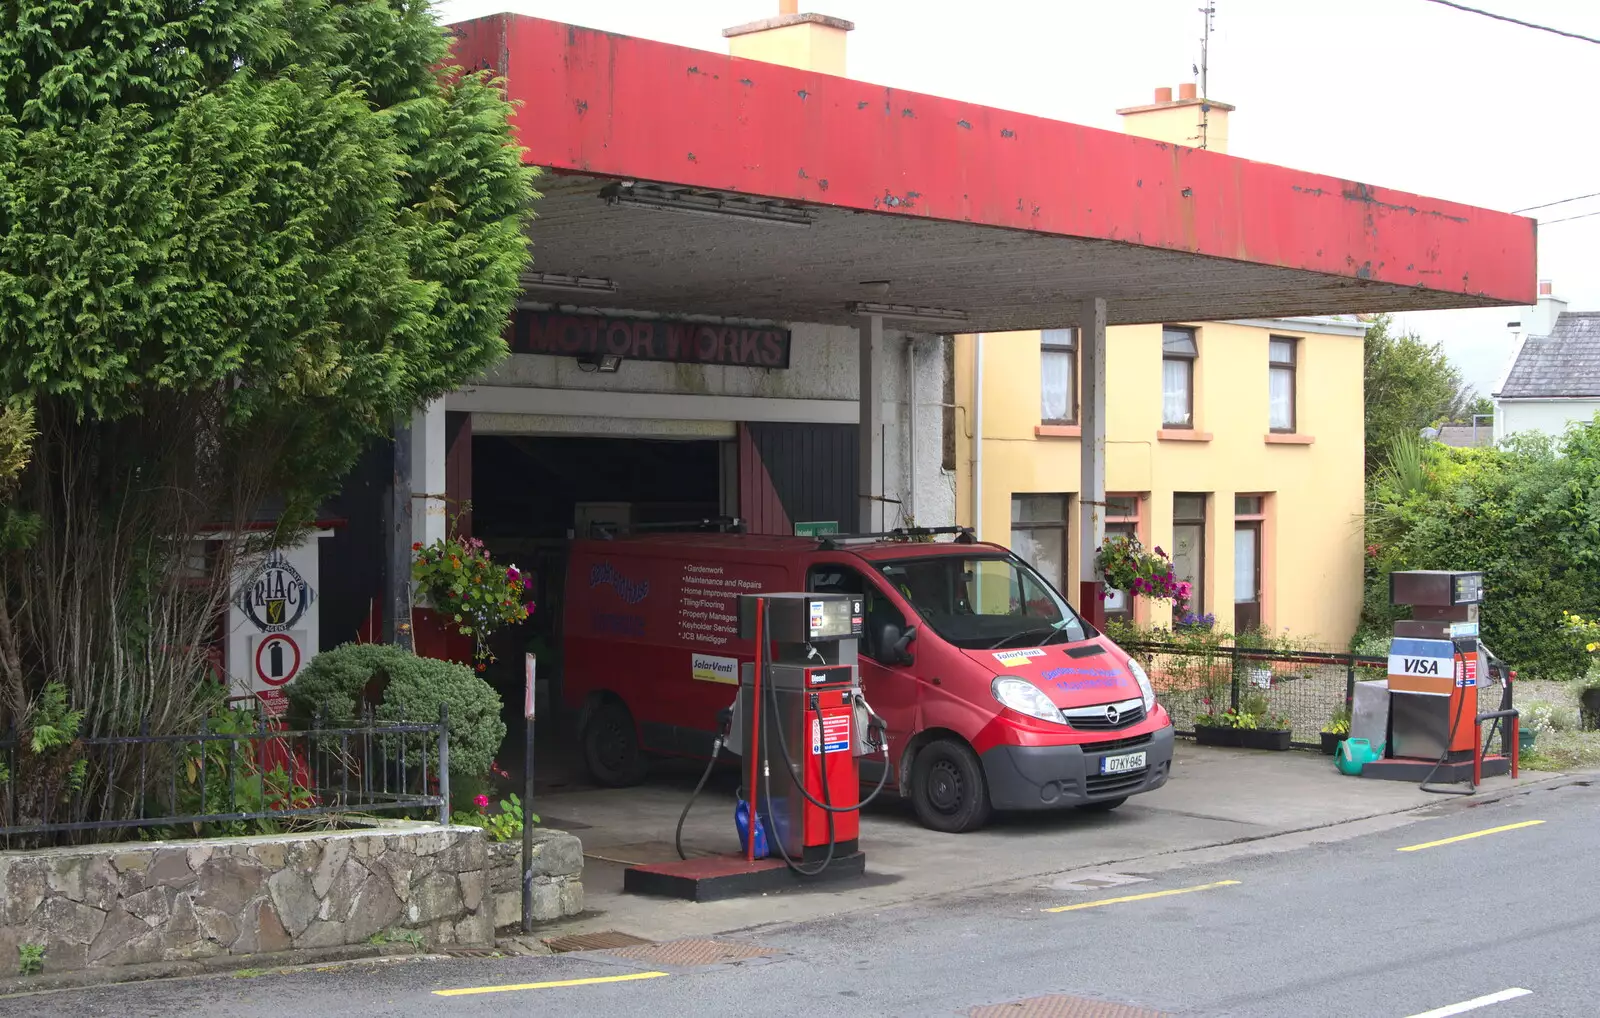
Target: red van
[{"x": 997, "y": 695}]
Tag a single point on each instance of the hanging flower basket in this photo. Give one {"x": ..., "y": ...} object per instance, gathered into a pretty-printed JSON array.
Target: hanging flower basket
[
  {"x": 471, "y": 593},
  {"x": 1127, "y": 567}
]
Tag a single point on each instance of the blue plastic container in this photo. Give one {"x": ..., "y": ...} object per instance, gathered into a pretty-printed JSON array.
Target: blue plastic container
[{"x": 741, "y": 819}]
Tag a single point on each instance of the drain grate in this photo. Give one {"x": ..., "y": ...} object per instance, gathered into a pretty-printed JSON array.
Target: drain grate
[
  {"x": 1057, "y": 1006},
  {"x": 470, "y": 952},
  {"x": 605, "y": 940},
  {"x": 687, "y": 953}
]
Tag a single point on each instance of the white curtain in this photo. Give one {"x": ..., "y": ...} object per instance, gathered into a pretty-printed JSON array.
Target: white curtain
[
  {"x": 1055, "y": 389},
  {"x": 1245, "y": 587},
  {"x": 1281, "y": 392},
  {"x": 1175, "y": 392}
]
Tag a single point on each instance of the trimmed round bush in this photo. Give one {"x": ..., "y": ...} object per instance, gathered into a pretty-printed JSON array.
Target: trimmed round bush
[{"x": 405, "y": 687}]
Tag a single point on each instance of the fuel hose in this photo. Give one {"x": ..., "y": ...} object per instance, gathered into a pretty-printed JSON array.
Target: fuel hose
[{"x": 716, "y": 751}]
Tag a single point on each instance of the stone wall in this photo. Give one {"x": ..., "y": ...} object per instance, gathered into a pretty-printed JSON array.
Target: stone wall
[
  {"x": 138, "y": 903},
  {"x": 557, "y": 877}
]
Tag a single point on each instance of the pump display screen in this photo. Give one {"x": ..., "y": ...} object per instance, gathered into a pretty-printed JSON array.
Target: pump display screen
[
  {"x": 832, "y": 620},
  {"x": 1468, "y": 588}
]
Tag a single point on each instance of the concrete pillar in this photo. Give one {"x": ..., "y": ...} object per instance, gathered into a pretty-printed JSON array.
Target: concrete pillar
[
  {"x": 429, "y": 450},
  {"x": 1092, "y": 486},
  {"x": 869, "y": 438}
]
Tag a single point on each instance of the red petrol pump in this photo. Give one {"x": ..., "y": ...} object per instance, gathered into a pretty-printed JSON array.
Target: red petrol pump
[
  {"x": 1436, "y": 663},
  {"x": 798, "y": 724}
]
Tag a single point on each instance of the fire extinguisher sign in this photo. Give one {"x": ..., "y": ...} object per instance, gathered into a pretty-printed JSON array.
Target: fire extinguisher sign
[{"x": 277, "y": 659}]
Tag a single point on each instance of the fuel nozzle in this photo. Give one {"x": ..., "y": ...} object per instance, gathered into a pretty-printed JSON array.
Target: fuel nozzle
[{"x": 872, "y": 734}]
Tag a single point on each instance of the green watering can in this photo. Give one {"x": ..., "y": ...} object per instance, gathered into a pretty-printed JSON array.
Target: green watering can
[{"x": 1353, "y": 754}]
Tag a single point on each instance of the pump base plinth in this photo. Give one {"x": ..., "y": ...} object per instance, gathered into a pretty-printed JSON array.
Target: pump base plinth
[
  {"x": 1453, "y": 772},
  {"x": 718, "y": 877}
]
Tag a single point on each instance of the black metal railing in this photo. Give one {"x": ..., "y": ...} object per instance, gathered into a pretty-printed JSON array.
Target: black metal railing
[
  {"x": 1304, "y": 689},
  {"x": 243, "y": 773}
]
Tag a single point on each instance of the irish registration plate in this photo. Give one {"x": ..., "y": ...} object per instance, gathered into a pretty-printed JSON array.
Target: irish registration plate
[{"x": 1122, "y": 764}]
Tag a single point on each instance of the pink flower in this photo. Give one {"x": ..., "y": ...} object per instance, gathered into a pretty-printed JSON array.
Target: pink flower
[
  {"x": 1184, "y": 590},
  {"x": 527, "y": 584},
  {"x": 528, "y": 607},
  {"x": 482, "y": 801},
  {"x": 1160, "y": 552},
  {"x": 512, "y": 574}
]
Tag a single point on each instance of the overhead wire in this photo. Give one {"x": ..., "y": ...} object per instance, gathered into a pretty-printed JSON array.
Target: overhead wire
[
  {"x": 1548, "y": 204},
  {"x": 1567, "y": 219},
  {"x": 1516, "y": 21}
]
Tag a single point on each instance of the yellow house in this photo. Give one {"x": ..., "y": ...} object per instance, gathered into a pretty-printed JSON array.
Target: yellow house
[{"x": 1236, "y": 447}]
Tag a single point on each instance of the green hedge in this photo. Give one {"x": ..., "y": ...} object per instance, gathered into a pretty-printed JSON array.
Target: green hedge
[
  {"x": 1527, "y": 515},
  {"x": 412, "y": 688}
]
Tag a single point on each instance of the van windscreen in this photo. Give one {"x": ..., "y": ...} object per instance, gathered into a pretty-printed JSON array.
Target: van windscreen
[{"x": 990, "y": 602}]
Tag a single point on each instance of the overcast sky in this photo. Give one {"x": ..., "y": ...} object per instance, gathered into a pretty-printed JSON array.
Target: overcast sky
[{"x": 1401, "y": 93}]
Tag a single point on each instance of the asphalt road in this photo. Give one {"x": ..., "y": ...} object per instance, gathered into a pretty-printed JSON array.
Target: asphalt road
[{"x": 1397, "y": 924}]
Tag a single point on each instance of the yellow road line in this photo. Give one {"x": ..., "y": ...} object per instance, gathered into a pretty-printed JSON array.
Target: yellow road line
[
  {"x": 1142, "y": 897},
  {"x": 548, "y": 986},
  {"x": 1469, "y": 837}
]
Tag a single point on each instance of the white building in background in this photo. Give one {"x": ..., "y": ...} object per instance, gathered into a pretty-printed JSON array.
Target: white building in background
[{"x": 1553, "y": 377}]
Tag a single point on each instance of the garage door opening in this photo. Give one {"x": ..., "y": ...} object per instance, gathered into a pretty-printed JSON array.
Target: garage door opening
[{"x": 531, "y": 495}]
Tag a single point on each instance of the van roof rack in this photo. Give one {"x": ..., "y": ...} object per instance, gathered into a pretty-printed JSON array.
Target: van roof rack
[
  {"x": 962, "y": 535},
  {"x": 710, "y": 524}
]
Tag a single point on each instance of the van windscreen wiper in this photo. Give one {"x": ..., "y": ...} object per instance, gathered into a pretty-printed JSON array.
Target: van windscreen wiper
[{"x": 1046, "y": 631}]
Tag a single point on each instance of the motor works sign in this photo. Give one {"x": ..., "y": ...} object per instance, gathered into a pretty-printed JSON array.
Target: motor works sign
[{"x": 649, "y": 339}]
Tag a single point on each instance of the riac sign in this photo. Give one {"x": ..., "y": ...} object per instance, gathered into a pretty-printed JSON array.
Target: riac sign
[{"x": 649, "y": 339}]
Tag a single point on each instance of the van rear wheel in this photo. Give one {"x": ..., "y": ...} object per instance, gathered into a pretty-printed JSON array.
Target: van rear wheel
[
  {"x": 611, "y": 747},
  {"x": 948, "y": 791}
]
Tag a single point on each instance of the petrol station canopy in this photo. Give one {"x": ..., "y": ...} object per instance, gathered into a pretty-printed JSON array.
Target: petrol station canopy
[{"x": 686, "y": 182}]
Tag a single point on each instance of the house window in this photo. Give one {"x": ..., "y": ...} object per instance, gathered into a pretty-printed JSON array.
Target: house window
[
  {"x": 1249, "y": 513},
  {"x": 1058, "y": 376},
  {"x": 1178, "y": 354},
  {"x": 1281, "y": 382},
  {"x": 1189, "y": 547},
  {"x": 1122, "y": 519},
  {"x": 1039, "y": 534}
]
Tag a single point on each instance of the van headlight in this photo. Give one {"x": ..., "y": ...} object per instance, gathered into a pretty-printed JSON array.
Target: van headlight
[
  {"x": 1146, "y": 691},
  {"x": 1024, "y": 697}
]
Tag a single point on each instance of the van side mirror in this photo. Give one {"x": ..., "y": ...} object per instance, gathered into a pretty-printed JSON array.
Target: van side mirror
[{"x": 899, "y": 646}]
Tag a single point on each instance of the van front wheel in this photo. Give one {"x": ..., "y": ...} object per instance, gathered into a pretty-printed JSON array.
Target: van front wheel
[
  {"x": 947, "y": 788},
  {"x": 611, "y": 747}
]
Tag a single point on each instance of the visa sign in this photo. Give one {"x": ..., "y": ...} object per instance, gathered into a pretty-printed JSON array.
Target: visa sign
[{"x": 1421, "y": 657}]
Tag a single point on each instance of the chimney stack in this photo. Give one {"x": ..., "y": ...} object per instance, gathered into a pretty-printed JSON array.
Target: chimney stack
[
  {"x": 1188, "y": 120},
  {"x": 811, "y": 42},
  {"x": 1543, "y": 320}
]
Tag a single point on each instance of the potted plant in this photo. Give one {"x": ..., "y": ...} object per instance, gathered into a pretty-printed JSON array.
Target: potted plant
[
  {"x": 1218, "y": 728},
  {"x": 1185, "y": 621},
  {"x": 1587, "y": 632},
  {"x": 1251, "y": 725},
  {"x": 1337, "y": 730}
]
